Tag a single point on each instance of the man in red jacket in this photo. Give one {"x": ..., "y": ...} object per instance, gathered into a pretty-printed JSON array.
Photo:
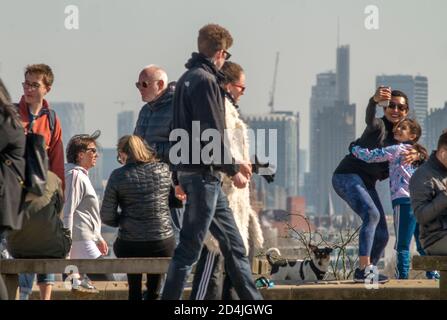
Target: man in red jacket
[
  {"x": 35, "y": 114},
  {"x": 36, "y": 117}
]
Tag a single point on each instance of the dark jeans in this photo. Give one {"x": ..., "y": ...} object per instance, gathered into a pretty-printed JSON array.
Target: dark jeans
[
  {"x": 177, "y": 219},
  {"x": 207, "y": 209},
  {"x": 143, "y": 249},
  {"x": 365, "y": 202},
  {"x": 210, "y": 281}
]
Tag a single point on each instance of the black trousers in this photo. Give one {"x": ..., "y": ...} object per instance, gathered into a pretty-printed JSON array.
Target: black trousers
[{"x": 144, "y": 249}]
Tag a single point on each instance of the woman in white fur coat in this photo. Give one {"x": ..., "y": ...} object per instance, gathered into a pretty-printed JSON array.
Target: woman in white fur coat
[{"x": 209, "y": 283}]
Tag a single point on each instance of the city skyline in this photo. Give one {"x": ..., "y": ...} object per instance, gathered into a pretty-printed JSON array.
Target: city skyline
[{"x": 99, "y": 63}]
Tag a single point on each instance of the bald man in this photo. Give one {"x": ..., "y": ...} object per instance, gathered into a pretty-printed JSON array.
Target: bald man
[{"x": 154, "y": 124}]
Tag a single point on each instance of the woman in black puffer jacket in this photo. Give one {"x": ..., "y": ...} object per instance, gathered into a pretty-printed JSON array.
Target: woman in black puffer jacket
[{"x": 141, "y": 189}]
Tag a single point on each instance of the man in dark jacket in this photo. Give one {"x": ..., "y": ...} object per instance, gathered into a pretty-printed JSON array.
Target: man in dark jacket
[
  {"x": 428, "y": 190},
  {"x": 154, "y": 122},
  {"x": 199, "y": 100},
  {"x": 154, "y": 125}
]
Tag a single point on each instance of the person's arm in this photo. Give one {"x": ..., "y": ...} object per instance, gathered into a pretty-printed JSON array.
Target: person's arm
[
  {"x": 205, "y": 99},
  {"x": 73, "y": 197},
  {"x": 426, "y": 206},
  {"x": 109, "y": 209},
  {"x": 56, "y": 152},
  {"x": 375, "y": 155},
  {"x": 370, "y": 115}
]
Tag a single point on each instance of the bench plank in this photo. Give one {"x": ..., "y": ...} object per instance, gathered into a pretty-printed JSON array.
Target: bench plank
[{"x": 101, "y": 266}]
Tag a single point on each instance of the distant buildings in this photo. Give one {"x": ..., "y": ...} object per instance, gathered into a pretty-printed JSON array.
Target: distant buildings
[
  {"x": 72, "y": 117},
  {"x": 332, "y": 128},
  {"x": 126, "y": 123},
  {"x": 286, "y": 183}
]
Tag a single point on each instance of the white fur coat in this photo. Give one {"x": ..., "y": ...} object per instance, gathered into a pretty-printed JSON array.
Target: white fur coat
[{"x": 239, "y": 199}]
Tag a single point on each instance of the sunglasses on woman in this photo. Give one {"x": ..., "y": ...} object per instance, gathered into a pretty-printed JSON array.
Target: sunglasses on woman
[{"x": 401, "y": 107}]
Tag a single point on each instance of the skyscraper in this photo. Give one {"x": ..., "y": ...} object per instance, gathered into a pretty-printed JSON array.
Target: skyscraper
[
  {"x": 126, "y": 123},
  {"x": 416, "y": 88},
  {"x": 72, "y": 117},
  {"x": 286, "y": 182},
  {"x": 332, "y": 129},
  {"x": 342, "y": 72},
  {"x": 336, "y": 129}
]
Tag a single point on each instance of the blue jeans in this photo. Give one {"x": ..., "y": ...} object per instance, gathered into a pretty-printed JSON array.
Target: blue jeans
[
  {"x": 365, "y": 202},
  {"x": 26, "y": 281},
  {"x": 207, "y": 209},
  {"x": 406, "y": 228},
  {"x": 177, "y": 220}
]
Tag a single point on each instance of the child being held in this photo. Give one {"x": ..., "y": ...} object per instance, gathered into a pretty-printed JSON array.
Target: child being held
[{"x": 407, "y": 132}]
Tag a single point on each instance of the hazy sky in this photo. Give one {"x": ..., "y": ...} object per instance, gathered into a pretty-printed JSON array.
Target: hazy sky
[{"x": 99, "y": 63}]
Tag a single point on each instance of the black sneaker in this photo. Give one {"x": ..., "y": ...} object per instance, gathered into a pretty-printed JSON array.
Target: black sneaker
[{"x": 360, "y": 276}]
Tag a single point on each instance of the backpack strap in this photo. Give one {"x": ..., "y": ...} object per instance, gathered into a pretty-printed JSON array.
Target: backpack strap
[{"x": 51, "y": 119}]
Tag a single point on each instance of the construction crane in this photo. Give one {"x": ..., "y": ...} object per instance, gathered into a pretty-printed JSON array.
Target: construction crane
[{"x": 272, "y": 92}]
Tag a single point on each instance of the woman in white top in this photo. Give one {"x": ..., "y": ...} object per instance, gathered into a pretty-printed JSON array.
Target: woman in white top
[{"x": 81, "y": 209}]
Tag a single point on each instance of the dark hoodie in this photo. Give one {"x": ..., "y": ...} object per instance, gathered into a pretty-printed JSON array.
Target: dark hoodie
[
  {"x": 154, "y": 123},
  {"x": 199, "y": 97}
]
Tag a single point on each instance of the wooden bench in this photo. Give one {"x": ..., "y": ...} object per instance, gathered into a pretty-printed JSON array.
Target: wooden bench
[
  {"x": 428, "y": 263},
  {"x": 9, "y": 269}
]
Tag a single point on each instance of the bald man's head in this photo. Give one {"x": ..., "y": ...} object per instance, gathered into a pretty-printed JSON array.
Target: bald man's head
[{"x": 152, "y": 82}]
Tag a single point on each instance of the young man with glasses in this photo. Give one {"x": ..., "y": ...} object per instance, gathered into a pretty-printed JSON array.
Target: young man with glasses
[
  {"x": 37, "y": 117},
  {"x": 199, "y": 97}
]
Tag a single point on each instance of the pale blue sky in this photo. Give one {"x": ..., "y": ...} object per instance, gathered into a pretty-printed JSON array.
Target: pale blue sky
[{"x": 99, "y": 63}]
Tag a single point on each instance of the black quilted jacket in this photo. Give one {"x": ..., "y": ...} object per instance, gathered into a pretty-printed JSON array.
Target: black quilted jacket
[{"x": 141, "y": 190}]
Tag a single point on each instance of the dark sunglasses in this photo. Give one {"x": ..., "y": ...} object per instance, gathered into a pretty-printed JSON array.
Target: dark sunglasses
[
  {"x": 227, "y": 55},
  {"x": 144, "y": 84},
  {"x": 401, "y": 107},
  {"x": 93, "y": 150}
]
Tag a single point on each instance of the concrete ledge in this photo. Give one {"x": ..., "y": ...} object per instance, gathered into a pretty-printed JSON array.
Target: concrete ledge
[{"x": 343, "y": 290}]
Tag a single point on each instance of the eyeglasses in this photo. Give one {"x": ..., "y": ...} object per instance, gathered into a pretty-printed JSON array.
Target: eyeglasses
[
  {"x": 227, "y": 55},
  {"x": 93, "y": 150},
  {"x": 144, "y": 84},
  {"x": 31, "y": 85},
  {"x": 401, "y": 107},
  {"x": 240, "y": 87}
]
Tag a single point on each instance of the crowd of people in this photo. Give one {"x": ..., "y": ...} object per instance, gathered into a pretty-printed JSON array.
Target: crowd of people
[{"x": 197, "y": 212}]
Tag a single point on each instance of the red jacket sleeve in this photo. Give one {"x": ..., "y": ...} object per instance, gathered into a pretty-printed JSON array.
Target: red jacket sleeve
[{"x": 56, "y": 152}]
